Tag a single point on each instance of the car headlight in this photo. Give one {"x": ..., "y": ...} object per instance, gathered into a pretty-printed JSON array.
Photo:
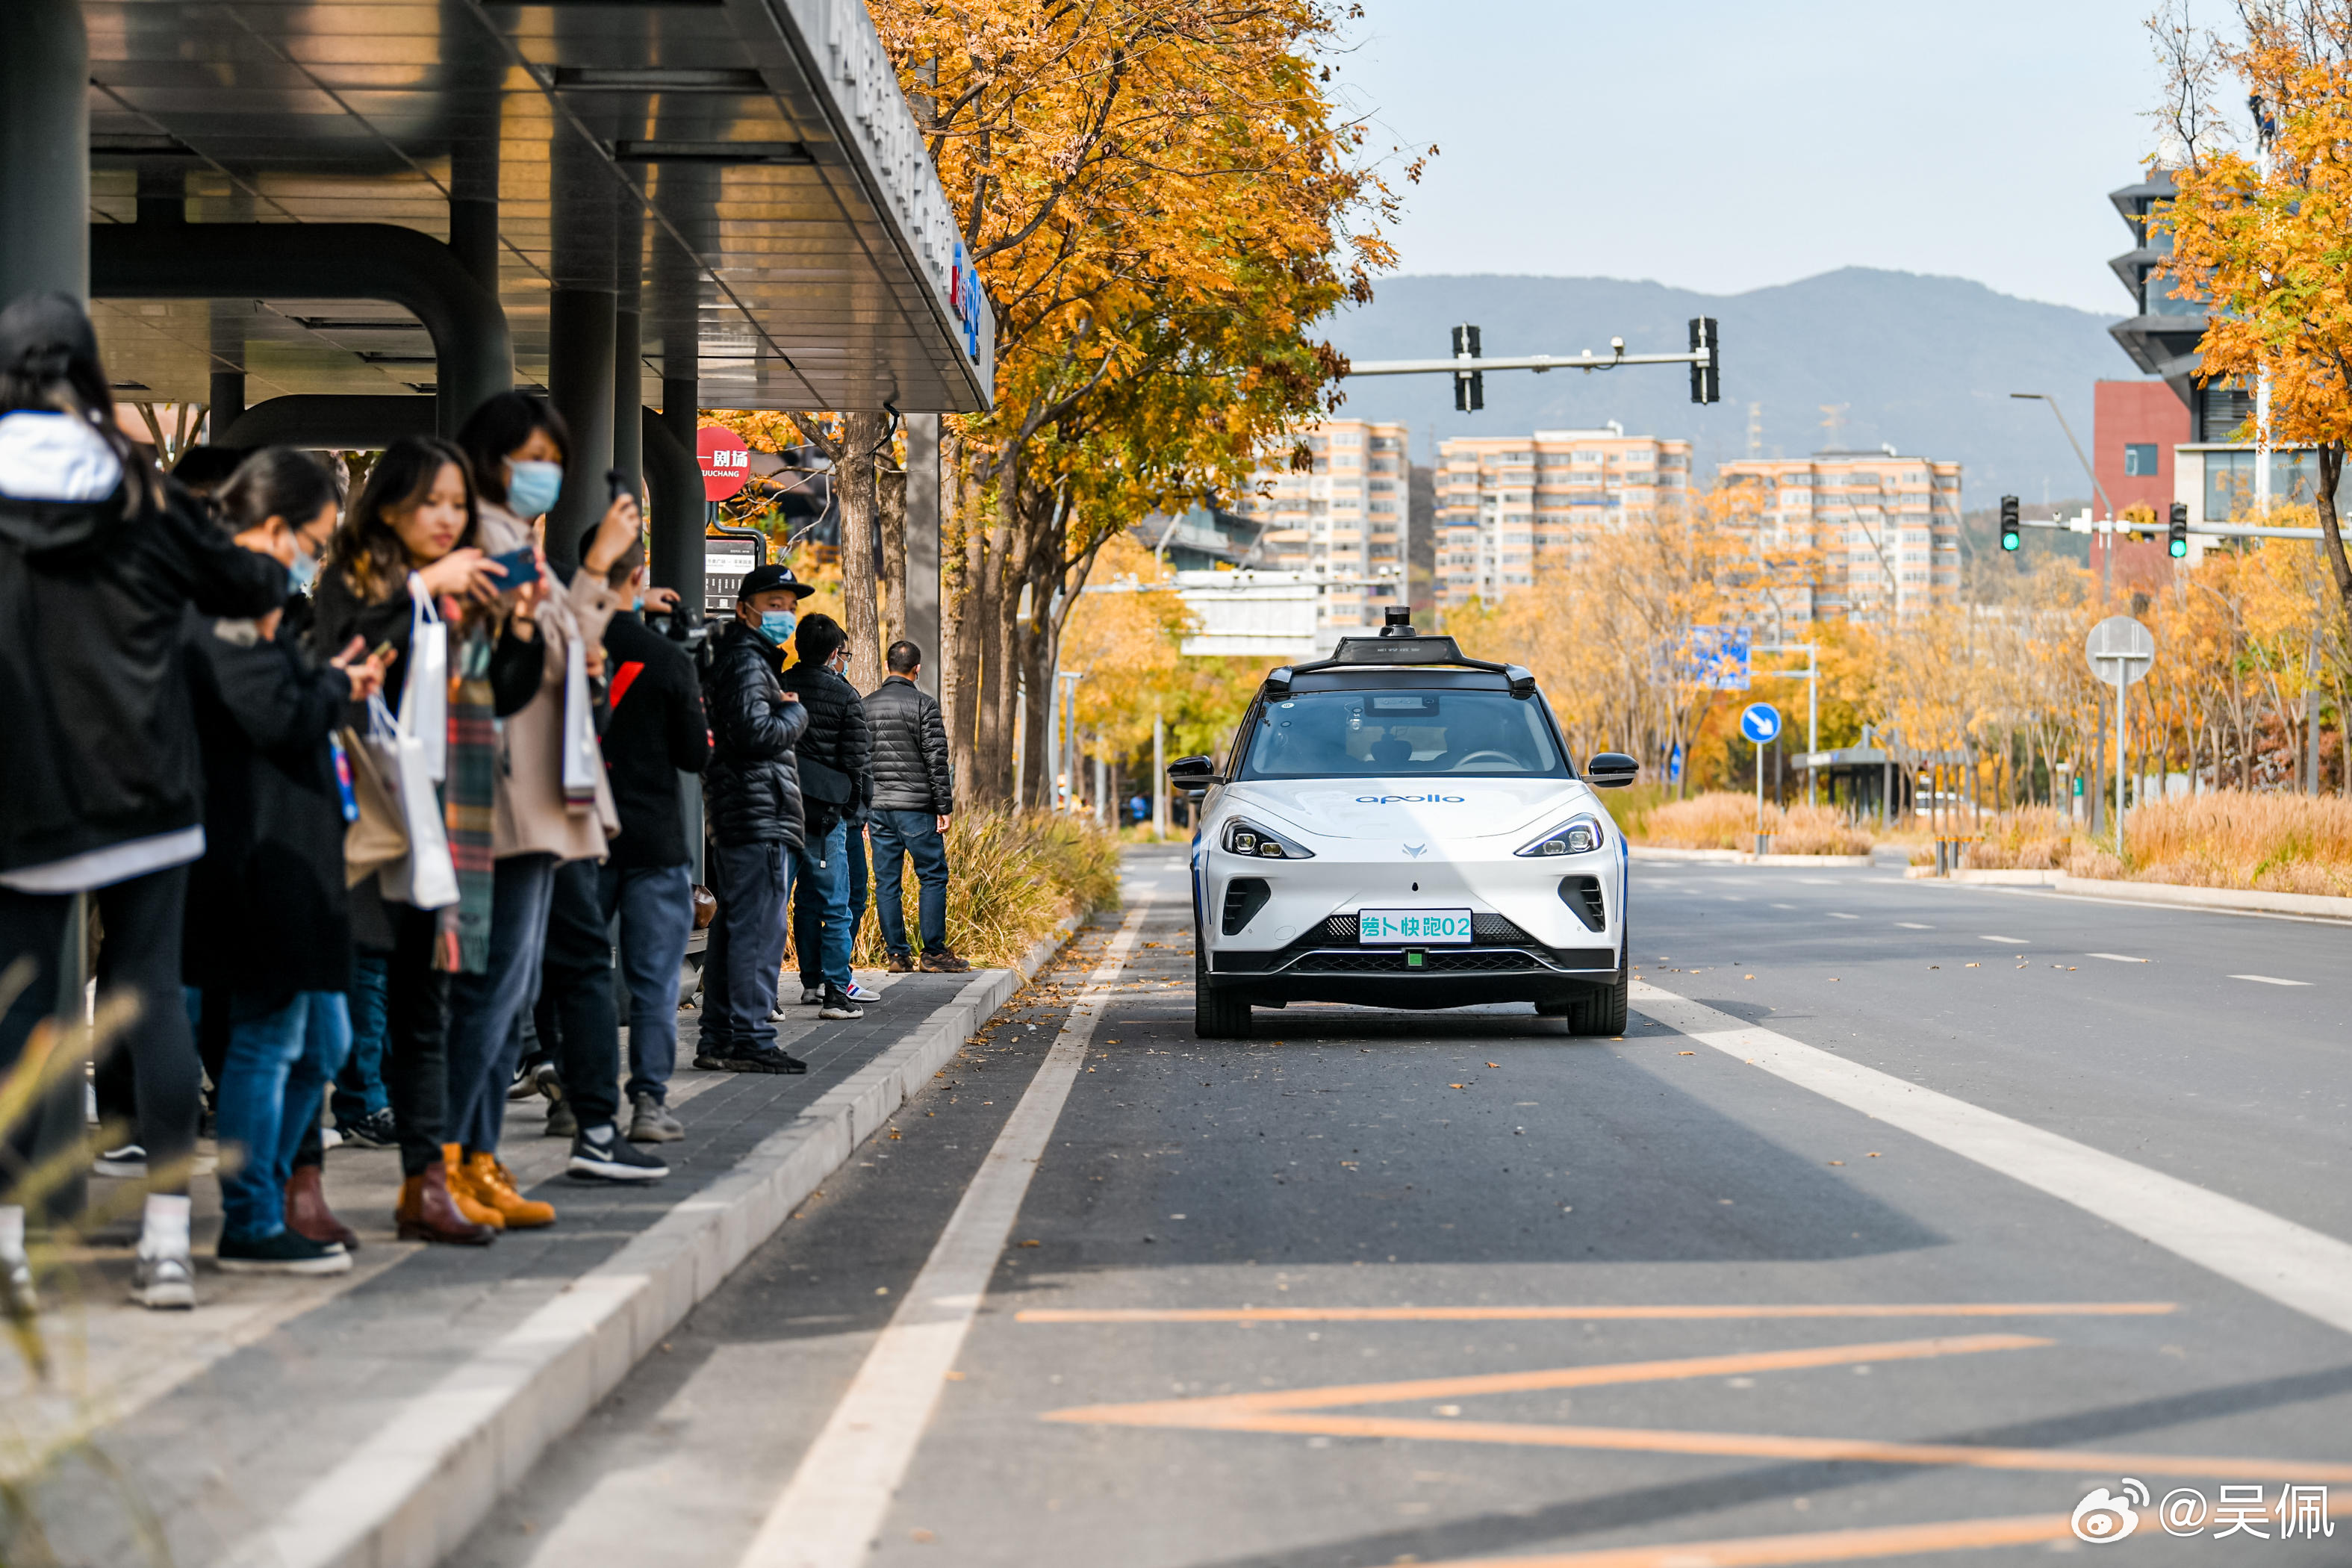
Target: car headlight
[
  {"x": 1263, "y": 844},
  {"x": 1577, "y": 835}
]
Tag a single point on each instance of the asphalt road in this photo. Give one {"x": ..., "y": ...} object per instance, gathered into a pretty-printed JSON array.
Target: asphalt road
[{"x": 1904, "y": 1216}]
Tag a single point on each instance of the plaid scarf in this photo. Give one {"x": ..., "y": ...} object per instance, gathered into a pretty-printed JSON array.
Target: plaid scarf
[{"x": 462, "y": 944}]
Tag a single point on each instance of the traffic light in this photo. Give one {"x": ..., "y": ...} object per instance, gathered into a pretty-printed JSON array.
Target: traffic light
[
  {"x": 2010, "y": 537},
  {"x": 1707, "y": 385},
  {"x": 1469, "y": 385},
  {"x": 2177, "y": 533}
]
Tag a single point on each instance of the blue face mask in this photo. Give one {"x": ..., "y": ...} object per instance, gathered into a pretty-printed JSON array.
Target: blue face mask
[
  {"x": 532, "y": 486},
  {"x": 777, "y": 625},
  {"x": 302, "y": 574}
]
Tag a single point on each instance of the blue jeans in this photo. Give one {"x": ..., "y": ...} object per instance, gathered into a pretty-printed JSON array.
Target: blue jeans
[
  {"x": 281, "y": 1055},
  {"x": 747, "y": 944},
  {"x": 823, "y": 924},
  {"x": 484, "y": 1007},
  {"x": 359, "y": 1088},
  {"x": 901, "y": 836},
  {"x": 656, "y": 905}
]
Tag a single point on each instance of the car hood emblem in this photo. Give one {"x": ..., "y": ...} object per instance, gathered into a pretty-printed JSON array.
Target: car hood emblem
[{"x": 1416, "y": 850}]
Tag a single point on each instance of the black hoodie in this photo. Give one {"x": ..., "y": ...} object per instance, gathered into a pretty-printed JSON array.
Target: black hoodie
[{"x": 98, "y": 746}]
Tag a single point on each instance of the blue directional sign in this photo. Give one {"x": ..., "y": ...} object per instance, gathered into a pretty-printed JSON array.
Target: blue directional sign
[{"x": 1760, "y": 723}]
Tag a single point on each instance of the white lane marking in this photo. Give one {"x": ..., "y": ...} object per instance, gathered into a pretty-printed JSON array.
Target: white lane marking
[
  {"x": 2118, "y": 958},
  {"x": 2269, "y": 980},
  {"x": 830, "y": 1511},
  {"x": 1842, "y": 915},
  {"x": 1912, "y": 925},
  {"x": 1784, "y": 906},
  {"x": 2010, "y": 940},
  {"x": 2290, "y": 1264}
]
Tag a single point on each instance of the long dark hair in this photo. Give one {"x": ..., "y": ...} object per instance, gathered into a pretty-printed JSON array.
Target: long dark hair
[
  {"x": 501, "y": 425},
  {"x": 276, "y": 481},
  {"x": 366, "y": 550},
  {"x": 52, "y": 367}
]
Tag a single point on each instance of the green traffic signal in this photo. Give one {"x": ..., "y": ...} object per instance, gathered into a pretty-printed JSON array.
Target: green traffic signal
[
  {"x": 2176, "y": 531},
  {"x": 2010, "y": 536}
]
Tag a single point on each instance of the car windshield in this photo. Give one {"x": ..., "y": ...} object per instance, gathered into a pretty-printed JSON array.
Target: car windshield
[{"x": 1343, "y": 734}]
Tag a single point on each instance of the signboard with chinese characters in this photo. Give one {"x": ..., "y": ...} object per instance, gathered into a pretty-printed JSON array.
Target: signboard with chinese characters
[{"x": 726, "y": 461}]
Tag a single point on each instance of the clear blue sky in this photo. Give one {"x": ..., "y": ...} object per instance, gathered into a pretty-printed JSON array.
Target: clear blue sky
[{"x": 1729, "y": 146}]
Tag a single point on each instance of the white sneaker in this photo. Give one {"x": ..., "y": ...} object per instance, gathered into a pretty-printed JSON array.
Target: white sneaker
[
  {"x": 128, "y": 1163},
  {"x": 861, "y": 994},
  {"x": 811, "y": 995},
  {"x": 330, "y": 1139},
  {"x": 164, "y": 1280}
]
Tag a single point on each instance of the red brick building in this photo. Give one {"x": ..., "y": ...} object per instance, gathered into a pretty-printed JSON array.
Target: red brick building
[{"x": 2134, "y": 426}]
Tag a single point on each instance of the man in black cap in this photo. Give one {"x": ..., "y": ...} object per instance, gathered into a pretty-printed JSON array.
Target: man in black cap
[{"x": 751, "y": 802}]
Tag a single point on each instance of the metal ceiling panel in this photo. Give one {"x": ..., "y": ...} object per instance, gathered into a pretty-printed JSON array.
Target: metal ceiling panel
[{"x": 787, "y": 215}]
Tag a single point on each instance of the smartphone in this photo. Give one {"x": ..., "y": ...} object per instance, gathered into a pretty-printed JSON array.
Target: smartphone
[
  {"x": 521, "y": 567},
  {"x": 380, "y": 649},
  {"x": 618, "y": 484}
]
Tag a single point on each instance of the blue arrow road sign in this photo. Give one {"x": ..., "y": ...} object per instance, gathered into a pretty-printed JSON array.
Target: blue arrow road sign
[{"x": 1760, "y": 723}]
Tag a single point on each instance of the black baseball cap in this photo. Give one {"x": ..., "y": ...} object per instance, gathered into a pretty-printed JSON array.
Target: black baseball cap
[{"x": 767, "y": 579}]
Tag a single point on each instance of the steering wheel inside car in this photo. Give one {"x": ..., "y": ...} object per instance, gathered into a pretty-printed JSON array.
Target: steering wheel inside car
[{"x": 1504, "y": 757}]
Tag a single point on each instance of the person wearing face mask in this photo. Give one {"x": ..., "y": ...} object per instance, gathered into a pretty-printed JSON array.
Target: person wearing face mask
[
  {"x": 836, "y": 769},
  {"x": 267, "y": 925},
  {"x": 547, "y": 931},
  {"x": 752, "y": 811}
]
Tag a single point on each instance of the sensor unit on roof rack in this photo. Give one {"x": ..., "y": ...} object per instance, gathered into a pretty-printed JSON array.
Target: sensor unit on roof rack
[{"x": 1398, "y": 650}]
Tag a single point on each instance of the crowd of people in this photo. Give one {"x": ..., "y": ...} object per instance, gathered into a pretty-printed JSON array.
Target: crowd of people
[{"x": 363, "y": 799}]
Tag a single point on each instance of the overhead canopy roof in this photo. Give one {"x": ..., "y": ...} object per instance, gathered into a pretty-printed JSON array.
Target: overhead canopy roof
[{"x": 759, "y": 153}]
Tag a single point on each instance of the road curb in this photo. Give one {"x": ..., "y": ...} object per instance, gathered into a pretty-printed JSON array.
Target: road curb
[
  {"x": 2175, "y": 894},
  {"x": 414, "y": 1491},
  {"x": 1740, "y": 857}
]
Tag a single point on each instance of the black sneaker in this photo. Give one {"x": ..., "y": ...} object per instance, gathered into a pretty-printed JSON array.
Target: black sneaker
[
  {"x": 376, "y": 1129},
  {"x": 838, "y": 1005},
  {"x": 711, "y": 1056},
  {"x": 285, "y": 1253},
  {"x": 765, "y": 1059},
  {"x": 602, "y": 1154},
  {"x": 128, "y": 1163}
]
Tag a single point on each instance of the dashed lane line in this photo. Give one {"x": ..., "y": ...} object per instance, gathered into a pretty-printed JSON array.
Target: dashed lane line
[
  {"x": 2290, "y": 1264},
  {"x": 2117, "y": 957},
  {"x": 2269, "y": 980},
  {"x": 835, "y": 1503}
]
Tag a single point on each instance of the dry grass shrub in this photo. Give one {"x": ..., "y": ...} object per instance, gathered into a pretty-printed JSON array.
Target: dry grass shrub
[
  {"x": 2274, "y": 842},
  {"x": 2029, "y": 838},
  {"x": 1011, "y": 876},
  {"x": 1721, "y": 820}
]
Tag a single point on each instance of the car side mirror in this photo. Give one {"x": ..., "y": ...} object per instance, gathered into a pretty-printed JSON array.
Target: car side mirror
[
  {"x": 1611, "y": 770},
  {"x": 1193, "y": 776}
]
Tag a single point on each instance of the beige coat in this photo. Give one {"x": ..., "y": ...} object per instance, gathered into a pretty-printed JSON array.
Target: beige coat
[{"x": 529, "y": 813}]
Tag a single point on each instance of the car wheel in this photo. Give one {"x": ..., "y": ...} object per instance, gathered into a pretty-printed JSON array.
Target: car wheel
[
  {"x": 1216, "y": 1015},
  {"x": 1602, "y": 1011}
]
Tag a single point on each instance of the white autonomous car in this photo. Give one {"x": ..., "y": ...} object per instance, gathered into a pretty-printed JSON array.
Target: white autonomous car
[{"x": 1402, "y": 826}]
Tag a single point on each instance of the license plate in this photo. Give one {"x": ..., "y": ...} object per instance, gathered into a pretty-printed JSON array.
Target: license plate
[{"x": 1394, "y": 927}]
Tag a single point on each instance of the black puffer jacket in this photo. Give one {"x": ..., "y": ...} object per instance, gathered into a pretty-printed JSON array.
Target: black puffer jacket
[
  {"x": 912, "y": 771},
  {"x": 267, "y": 909},
  {"x": 98, "y": 746},
  {"x": 838, "y": 738},
  {"x": 751, "y": 790}
]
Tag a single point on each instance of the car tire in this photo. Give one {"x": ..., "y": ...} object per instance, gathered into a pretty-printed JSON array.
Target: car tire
[
  {"x": 1216, "y": 1015},
  {"x": 1602, "y": 1011}
]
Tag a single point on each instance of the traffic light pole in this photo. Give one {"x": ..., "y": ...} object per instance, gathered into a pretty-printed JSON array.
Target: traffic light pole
[{"x": 1468, "y": 367}]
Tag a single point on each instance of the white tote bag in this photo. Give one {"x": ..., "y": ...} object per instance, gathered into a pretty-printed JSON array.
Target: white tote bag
[
  {"x": 580, "y": 756},
  {"x": 424, "y": 877},
  {"x": 425, "y": 697}
]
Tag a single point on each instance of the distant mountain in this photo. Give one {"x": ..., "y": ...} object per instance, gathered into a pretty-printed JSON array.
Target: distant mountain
[{"x": 1927, "y": 363}]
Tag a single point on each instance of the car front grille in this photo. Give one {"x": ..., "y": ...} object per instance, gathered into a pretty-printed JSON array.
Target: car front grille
[{"x": 1396, "y": 960}]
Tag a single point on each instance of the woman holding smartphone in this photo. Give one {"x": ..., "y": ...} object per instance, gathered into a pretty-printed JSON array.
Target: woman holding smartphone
[
  {"x": 516, "y": 447},
  {"x": 414, "y": 530}
]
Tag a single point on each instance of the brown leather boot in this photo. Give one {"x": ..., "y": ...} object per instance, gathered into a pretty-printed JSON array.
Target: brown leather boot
[
  {"x": 493, "y": 1183},
  {"x": 308, "y": 1215},
  {"x": 428, "y": 1212},
  {"x": 471, "y": 1203}
]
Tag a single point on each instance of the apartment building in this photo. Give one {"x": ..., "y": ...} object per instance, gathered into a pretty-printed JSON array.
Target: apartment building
[
  {"x": 1884, "y": 528},
  {"x": 1344, "y": 524},
  {"x": 1508, "y": 504}
]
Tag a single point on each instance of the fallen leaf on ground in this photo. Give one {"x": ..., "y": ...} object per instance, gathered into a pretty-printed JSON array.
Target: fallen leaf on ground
[
  {"x": 1494, "y": 1064},
  {"x": 1457, "y": 1086},
  {"x": 1837, "y": 1162},
  {"x": 1685, "y": 1053},
  {"x": 1872, "y": 1154},
  {"x": 1032, "y": 1243}
]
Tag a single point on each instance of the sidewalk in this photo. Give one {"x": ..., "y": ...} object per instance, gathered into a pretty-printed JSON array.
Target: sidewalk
[{"x": 373, "y": 1418}]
